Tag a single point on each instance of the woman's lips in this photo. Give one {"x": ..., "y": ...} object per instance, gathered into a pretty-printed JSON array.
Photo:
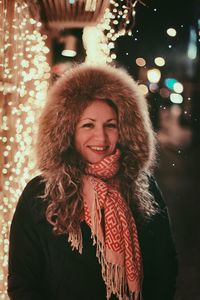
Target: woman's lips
[{"x": 99, "y": 149}]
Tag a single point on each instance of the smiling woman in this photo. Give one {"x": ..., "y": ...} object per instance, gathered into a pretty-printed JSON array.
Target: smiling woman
[{"x": 93, "y": 225}]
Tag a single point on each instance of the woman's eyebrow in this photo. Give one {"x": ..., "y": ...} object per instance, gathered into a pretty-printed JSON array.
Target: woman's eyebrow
[
  {"x": 111, "y": 120},
  {"x": 87, "y": 119},
  {"x": 90, "y": 119}
]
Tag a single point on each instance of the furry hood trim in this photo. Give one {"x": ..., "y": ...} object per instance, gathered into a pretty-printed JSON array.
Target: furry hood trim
[{"x": 71, "y": 94}]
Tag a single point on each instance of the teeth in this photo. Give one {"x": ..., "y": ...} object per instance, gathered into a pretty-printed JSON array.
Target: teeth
[{"x": 98, "y": 148}]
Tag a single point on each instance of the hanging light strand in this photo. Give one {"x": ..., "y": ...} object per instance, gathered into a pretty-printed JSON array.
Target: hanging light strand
[
  {"x": 118, "y": 20},
  {"x": 23, "y": 87}
]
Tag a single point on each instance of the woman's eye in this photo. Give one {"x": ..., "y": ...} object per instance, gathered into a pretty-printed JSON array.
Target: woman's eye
[
  {"x": 87, "y": 125},
  {"x": 111, "y": 125}
]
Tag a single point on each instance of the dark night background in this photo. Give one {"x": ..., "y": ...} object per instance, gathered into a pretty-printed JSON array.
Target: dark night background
[{"x": 178, "y": 165}]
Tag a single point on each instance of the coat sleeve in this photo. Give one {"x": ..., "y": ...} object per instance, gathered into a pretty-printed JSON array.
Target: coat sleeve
[
  {"x": 160, "y": 258},
  {"x": 25, "y": 266}
]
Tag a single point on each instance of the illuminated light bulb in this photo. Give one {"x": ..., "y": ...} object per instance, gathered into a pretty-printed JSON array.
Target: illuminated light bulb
[
  {"x": 159, "y": 61},
  {"x": 111, "y": 45},
  {"x": 154, "y": 75},
  {"x": 176, "y": 98},
  {"x": 143, "y": 88},
  {"x": 171, "y": 32},
  {"x": 109, "y": 59},
  {"x": 140, "y": 62},
  {"x": 4, "y": 171},
  {"x": 45, "y": 50},
  {"x": 5, "y": 153},
  {"x": 178, "y": 87},
  {"x": 109, "y": 35},
  {"x": 113, "y": 56},
  {"x": 32, "y": 21},
  {"x": 69, "y": 53},
  {"x": 47, "y": 76}
]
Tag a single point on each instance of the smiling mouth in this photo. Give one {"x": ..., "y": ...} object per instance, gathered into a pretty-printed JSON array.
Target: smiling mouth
[{"x": 99, "y": 149}]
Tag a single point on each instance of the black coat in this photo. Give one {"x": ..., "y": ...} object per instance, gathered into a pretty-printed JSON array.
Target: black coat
[{"x": 42, "y": 266}]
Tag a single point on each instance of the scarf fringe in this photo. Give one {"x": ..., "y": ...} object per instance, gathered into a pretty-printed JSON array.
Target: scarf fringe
[
  {"x": 113, "y": 275},
  {"x": 76, "y": 241}
]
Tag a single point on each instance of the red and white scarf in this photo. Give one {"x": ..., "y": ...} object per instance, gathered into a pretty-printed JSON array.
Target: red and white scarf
[{"x": 117, "y": 245}]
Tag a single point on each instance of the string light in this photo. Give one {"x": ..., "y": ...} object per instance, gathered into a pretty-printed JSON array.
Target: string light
[
  {"x": 117, "y": 21},
  {"x": 25, "y": 74}
]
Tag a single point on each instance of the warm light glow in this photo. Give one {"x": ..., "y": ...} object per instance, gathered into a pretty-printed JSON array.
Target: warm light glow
[
  {"x": 95, "y": 43},
  {"x": 113, "y": 56},
  {"x": 69, "y": 53},
  {"x": 140, "y": 62},
  {"x": 159, "y": 61},
  {"x": 178, "y": 87},
  {"x": 176, "y": 98},
  {"x": 144, "y": 89},
  {"x": 25, "y": 62},
  {"x": 171, "y": 32},
  {"x": 153, "y": 75},
  {"x": 117, "y": 21}
]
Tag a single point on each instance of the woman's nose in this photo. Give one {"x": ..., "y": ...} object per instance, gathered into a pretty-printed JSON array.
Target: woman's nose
[{"x": 100, "y": 134}]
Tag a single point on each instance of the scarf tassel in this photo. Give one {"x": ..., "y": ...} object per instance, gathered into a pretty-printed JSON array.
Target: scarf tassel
[{"x": 76, "y": 240}]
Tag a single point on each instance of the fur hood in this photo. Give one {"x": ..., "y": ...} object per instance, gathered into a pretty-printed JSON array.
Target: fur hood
[{"x": 69, "y": 96}]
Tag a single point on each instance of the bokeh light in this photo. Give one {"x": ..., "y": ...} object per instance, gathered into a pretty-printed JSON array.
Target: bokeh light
[
  {"x": 154, "y": 75},
  {"x": 178, "y": 87},
  {"x": 159, "y": 61},
  {"x": 144, "y": 89},
  {"x": 169, "y": 82},
  {"x": 171, "y": 32},
  {"x": 176, "y": 98},
  {"x": 140, "y": 62}
]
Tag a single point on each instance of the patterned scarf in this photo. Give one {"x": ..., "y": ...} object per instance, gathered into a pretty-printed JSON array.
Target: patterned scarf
[{"x": 114, "y": 231}]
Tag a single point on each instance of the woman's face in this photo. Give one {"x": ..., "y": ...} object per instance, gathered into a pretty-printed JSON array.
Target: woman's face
[{"x": 96, "y": 134}]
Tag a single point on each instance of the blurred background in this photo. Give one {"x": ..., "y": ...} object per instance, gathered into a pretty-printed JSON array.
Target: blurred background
[{"x": 158, "y": 42}]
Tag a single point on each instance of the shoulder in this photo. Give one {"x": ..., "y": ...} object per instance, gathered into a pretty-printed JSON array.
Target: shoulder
[
  {"x": 30, "y": 201},
  {"x": 34, "y": 187},
  {"x": 161, "y": 219},
  {"x": 156, "y": 192}
]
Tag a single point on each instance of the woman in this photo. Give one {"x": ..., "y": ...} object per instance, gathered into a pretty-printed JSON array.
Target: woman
[{"x": 93, "y": 226}]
